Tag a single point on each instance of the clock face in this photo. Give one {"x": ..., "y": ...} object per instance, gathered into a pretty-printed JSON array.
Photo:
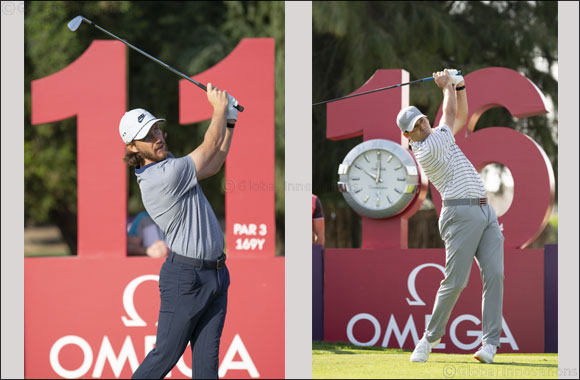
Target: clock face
[{"x": 378, "y": 178}]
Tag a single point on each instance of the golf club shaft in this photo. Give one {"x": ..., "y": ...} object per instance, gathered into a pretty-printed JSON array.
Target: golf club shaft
[
  {"x": 200, "y": 85},
  {"x": 371, "y": 91},
  {"x": 375, "y": 90}
]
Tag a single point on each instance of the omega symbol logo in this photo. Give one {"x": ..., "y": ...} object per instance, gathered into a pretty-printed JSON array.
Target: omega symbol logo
[
  {"x": 416, "y": 300},
  {"x": 133, "y": 318}
]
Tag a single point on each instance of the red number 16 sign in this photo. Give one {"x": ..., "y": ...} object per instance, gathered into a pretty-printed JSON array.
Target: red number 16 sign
[{"x": 487, "y": 88}]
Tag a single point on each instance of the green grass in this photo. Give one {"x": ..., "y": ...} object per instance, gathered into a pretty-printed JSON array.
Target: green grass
[{"x": 341, "y": 360}]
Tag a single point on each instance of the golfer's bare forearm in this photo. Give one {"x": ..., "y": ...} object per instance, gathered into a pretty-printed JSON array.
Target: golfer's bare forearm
[
  {"x": 221, "y": 155},
  {"x": 462, "y": 110},
  {"x": 216, "y": 132},
  {"x": 204, "y": 155},
  {"x": 449, "y": 106}
]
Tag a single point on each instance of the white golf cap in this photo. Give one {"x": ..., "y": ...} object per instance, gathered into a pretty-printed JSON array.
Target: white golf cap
[
  {"x": 407, "y": 118},
  {"x": 135, "y": 124}
]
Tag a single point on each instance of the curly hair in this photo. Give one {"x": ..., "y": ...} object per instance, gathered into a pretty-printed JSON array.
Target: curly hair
[{"x": 133, "y": 159}]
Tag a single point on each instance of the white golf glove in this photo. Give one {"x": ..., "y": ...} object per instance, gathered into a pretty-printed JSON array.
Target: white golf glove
[
  {"x": 232, "y": 113},
  {"x": 455, "y": 77}
]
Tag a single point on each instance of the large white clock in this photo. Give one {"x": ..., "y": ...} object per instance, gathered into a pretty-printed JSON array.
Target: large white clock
[{"x": 378, "y": 178}]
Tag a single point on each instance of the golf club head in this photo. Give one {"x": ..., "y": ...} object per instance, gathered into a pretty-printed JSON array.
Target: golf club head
[{"x": 75, "y": 23}]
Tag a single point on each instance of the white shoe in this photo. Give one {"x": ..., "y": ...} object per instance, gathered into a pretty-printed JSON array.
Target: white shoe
[
  {"x": 421, "y": 352},
  {"x": 486, "y": 353}
]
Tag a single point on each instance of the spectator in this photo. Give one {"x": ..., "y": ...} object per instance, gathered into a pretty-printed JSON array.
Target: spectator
[
  {"x": 317, "y": 221},
  {"x": 144, "y": 237}
]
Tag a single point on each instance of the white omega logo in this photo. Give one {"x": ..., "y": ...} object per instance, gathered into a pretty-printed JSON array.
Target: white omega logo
[
  {"x": 133, "y": 319},
  {"x": 417, "y": 301},
  {"x": 237, "y": 357}
]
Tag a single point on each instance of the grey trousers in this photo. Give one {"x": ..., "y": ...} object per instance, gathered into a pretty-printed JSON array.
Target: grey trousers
[{"x": 468, "y": 232}]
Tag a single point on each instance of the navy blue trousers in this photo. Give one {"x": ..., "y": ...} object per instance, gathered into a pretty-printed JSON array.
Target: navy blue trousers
[{"x": 193, "y": 310}]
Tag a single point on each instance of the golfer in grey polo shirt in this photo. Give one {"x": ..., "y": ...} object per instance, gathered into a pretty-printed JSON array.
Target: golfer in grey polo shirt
[
  {"x": 468, "y": 225},
  {"x": 193, "y": 280}
]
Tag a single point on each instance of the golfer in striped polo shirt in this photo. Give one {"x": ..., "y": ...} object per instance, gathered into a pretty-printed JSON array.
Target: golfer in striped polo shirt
[{"x": 467, "y": 224}]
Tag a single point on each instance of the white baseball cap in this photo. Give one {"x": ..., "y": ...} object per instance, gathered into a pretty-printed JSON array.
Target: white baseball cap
[
  {"x": 135, "y": 124},
  {"x": 407, "y": 118}
]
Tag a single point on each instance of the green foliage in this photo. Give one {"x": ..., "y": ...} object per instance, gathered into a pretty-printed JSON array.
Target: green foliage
[
  {"x": 190, "y": 36},
  {"x": 45, "y": 153},
  {"x": 351, "y": 40}
]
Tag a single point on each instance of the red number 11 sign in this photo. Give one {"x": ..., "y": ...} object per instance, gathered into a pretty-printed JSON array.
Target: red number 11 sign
[{"x": 93, "y": 90}]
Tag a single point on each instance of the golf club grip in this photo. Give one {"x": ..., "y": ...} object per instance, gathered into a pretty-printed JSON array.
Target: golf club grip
[{"x": 431, "y": 78}]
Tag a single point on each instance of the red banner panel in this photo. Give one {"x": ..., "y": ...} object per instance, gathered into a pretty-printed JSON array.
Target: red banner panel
[
  {"x": 384, "y": 298},
  {"x": 97, "y": 318}
]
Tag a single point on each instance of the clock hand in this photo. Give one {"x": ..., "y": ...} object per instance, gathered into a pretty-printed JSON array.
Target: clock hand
[
  {"x": 379, "y": 170},
  {"x": 372, "y": 176}
]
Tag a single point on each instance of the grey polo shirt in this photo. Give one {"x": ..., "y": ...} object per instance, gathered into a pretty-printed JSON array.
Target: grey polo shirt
[{"x": 174, "y": 200}]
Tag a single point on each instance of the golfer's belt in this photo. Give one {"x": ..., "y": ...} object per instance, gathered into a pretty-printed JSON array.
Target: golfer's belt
[
  {"x": 465, "y": 202},
  {"x": 206, "y": 264}
]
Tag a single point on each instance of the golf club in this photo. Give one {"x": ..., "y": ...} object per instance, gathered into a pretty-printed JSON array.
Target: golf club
[
  {"x": 74, "y": 24},
  {"x": 378, "y": 89}
]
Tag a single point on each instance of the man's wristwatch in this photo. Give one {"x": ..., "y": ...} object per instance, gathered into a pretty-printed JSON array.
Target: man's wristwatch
[
  {"x": 230, "y": 125},
  {"x": 460, "y": 88}
]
